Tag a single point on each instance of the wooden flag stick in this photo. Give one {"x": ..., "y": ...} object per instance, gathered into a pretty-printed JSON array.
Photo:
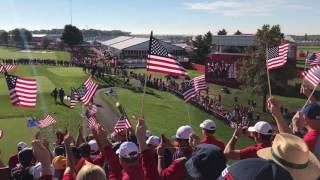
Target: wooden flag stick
[
  {"x": 310, "y": 96},
  {"x": 188, "y": 113},
  {"x": 268, "y": 74},
  {"x": 143, "y": 95}
]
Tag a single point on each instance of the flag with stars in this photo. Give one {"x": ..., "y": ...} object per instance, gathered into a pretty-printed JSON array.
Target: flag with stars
[
  {"x": 277, "y": 56},
  {"x": 22, "y": 91},
  {"x": 160, "y": 61},
  {"x": 189, "y": 91}
]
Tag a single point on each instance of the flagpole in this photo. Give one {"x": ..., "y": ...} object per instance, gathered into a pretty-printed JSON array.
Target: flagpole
[
  {"x": 305, "y": 66},
  {"x": 188, "y": 113},
  {"x": 268, "y": 74},
  {"x": 146, "y": 77},
  {"x": 310, "y": 96}
]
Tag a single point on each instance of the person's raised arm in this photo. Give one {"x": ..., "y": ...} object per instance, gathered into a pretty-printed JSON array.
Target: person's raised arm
[
  {"x": 229, "y": 150},
  {"x": 70, "y": 158},
  {"x": 148, "y": 162},
  {"x": 274, "y": 109},
  {"x": 43, "y": 156},
  {"x": 80, "y": 138}
]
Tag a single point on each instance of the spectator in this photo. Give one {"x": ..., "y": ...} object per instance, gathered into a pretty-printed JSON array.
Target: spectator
[
  {"x": 13, "y": 160},
  {"x": 262, "y": 134},
  {"x": 309, "y": 118},
  {"x": 255, "y": 169},
  {"x": 208, "y": 128},
  {"x": 59, "y": 164},
  {"x": 91, "y": 172},
  {"x": 182, "y": 149},
  {"x": 23, "y": 169},
  {"x": 292, "y": 153},
  {"x": 207, "y": 162}
]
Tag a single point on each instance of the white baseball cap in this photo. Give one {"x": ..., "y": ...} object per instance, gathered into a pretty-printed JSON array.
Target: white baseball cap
[
  {"x": 126, "y": 150},
  {"x": 208, "y": 124},
  {"x": 148, "y": 133},
  {"x": 93, "y": 146},
  {"x": 183, "y": 132},
  {"x": 153, "y": 140},
  {"x": 261, "y": 127},
  {"x": 21, "y": 145}
]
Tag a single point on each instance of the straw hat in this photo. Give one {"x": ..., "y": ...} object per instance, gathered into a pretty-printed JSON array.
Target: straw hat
[{"x": 292, "y": 153}]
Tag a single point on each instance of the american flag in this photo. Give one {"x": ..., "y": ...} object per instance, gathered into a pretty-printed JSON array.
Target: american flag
[
  {"x": 92, "y": 122},
  {"x": 47, "y": 121},
  {"x": 189, "y": 91},
  {"x": 7, "y": 68},
  {"x": 313, "y": 76},
  {"x": 277, "y": 56},
  {"x": 74, "y": 99},
  {"x": 199, "y": 83},
  {"x": 92, "y": 110},
  {"x": 22, "y": 91},
  {"x": 90, "y": 90},
  {"x": 122, "y": 124},
  {"x": 314, "y": 59},
  {"x": 160, "y": 61}
]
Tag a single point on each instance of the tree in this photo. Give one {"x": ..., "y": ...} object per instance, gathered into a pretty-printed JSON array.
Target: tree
[
  {"x": 222, "y": 32},
  {"x": 202, "y": 45},
  {"x": 71, "y": 36},
  {"x": 4, "y": 38},
  {"x": 238, "y": 32},
  {"x": 306, "y": 37},
  {"x": 253, "y": 73},
  {"x": 21, "y": 36},
  {"x": 45, "y": 43}
]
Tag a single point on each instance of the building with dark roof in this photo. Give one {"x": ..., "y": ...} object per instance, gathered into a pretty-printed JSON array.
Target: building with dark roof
[{"x": 223, "y": 65}]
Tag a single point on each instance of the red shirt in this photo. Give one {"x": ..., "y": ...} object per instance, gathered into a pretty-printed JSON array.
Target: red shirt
[
  {"x": 251, "y": 151},
  {"x": 13, "y": 161},
  {"x": 311, "y": 139},
  {"x": 212, "y": 140},
  {"x": 145, "y": 170},
  {"x": 175, "y": 171}
]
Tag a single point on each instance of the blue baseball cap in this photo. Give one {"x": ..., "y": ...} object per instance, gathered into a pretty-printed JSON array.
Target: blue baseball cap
[
  {"x": 312, "y": 111},
  {"x": 255, "y": 169}
]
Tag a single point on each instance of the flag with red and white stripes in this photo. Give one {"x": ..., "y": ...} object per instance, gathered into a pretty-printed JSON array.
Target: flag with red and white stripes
[
  {"x": 22, "y": 91},
  {"x": 90, "y": 90},
  {"x": 74, "y": 99},
  {"x": 122, "y": 124},
  {"x": 92, "y": 122},
  {"x": 7, "y": 68},
  {"x": 277, "y": 56},
  {"x": 189, "y": 91},
  {"x": 160, "y": 61},
  {"x": 47, "y": 121},
  {"x": 313, "y": 76},
  {"x": 199, "y": 83},
  {"x": 314, "y": 59}
]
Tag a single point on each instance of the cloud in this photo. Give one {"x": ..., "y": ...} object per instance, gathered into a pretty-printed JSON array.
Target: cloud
[{"x": 245, "y": 7}]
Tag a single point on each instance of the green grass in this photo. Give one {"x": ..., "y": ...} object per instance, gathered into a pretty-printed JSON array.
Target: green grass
[
  {"x": 165, "y": 112},
  {"x": 13, "y": 120},
  {"x": 192, "y": 73},
  {"x": 13, "y": 53},
  {"x": 15, "y": 130},
  {"x": 309, "y": 48},
  {"x": 291, "y": 103}
]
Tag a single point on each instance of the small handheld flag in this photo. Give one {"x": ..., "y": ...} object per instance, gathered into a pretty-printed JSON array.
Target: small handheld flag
[
  {"x": 122, "y": 124},
  {"x": 277, "y": 56},
  {"x": 47, "y": 121}
]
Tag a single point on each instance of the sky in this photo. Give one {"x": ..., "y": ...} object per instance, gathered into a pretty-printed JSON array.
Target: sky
[{"x": 189, "y": 17}]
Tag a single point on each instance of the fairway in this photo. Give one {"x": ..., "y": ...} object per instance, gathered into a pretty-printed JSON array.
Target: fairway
[
  {"x": 70, "y": 72},
  {"x": 165, "y": 112},
  {"x": 15, "y": 131},
  {"x": 13, "y": 53},
  {"x": 13, "y": 120}
]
